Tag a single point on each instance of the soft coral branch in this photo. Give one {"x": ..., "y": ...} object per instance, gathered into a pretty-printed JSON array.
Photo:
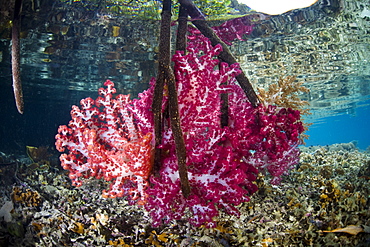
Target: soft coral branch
[{"x": 104, "y": 141}]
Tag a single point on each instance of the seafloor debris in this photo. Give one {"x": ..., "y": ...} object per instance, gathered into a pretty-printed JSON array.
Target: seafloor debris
[
  {"x": 317, "y": 204},
  {"x": 351, "y": 229},
  {"x": 26, "y": 197}
]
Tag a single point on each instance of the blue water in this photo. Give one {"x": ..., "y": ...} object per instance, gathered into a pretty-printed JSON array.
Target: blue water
[{"x": 342, "y": 129}]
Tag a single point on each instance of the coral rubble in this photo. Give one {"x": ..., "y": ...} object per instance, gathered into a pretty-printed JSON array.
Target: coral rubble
[{"x": 323, "y": 202}]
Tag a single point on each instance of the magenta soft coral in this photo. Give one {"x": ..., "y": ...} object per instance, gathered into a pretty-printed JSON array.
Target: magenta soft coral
[
  {"x": 218, "y": 176},
  {"x": 222, "y": 162},
  {"x": 267, "y": 136}
]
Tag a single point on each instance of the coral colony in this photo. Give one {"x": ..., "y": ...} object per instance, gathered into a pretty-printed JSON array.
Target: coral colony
[
  {"x": 107, "y": 140},
  {"x": 113, "y": 138}
]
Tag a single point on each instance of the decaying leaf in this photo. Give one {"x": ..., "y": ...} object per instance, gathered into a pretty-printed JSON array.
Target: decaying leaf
[{"x": 351, "y": 229}]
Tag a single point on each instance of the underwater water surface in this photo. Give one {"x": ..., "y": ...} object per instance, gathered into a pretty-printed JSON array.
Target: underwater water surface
[{"x": 67, "y": 54}]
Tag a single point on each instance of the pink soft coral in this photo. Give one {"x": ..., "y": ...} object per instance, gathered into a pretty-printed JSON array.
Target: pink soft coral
[{"x": 106, "y": 139}]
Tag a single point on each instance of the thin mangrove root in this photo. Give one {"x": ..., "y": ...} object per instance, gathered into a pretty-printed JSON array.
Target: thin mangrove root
[
  {"x": 16, "y": 73},
  {"x": 174, "y": 108},
  {"x": 182, "y": 29},
  {"x": 177, "y": 133}
]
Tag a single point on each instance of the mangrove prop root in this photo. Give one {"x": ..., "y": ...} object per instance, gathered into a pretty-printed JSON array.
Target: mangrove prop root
[
  {"x": 177, "y": 132},
  {"x": 166, "y": 76},
  {"x": 16, "y": 73},
  {"x": 182, "y": 29},
  {"x": 163, "y": 61}
]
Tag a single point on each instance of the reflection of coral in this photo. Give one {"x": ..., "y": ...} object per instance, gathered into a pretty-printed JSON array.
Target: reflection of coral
[
  {"x": 28, "y": 197},
  {"x": 236, "y": 28}
]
